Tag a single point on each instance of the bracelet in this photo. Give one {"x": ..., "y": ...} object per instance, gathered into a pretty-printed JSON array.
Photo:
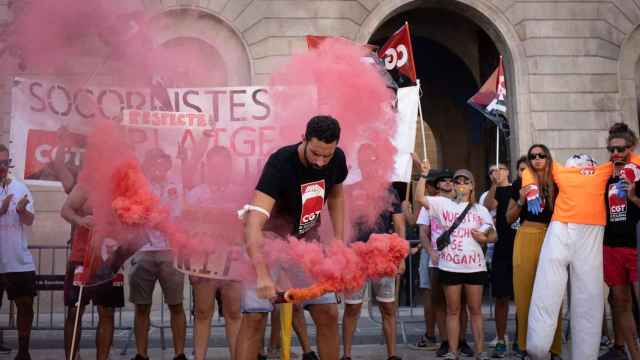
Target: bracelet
[{"x": 424, "y": 176}]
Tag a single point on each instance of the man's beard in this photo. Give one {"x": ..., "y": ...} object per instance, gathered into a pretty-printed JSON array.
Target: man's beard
[{"x": 311, "y": 165}]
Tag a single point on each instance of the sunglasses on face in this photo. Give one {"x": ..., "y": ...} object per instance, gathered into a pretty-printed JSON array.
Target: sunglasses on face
[
  {"x": 617, "y": 149},
  {"x": 445, "y": 180},
  {"x": 5, "y": 163},
  {"x": 534, "y": 156},
  {"x": 462, "y": 181}
]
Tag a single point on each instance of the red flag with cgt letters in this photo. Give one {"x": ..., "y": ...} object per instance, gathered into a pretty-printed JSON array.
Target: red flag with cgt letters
[{"x": 397, "y": 53}]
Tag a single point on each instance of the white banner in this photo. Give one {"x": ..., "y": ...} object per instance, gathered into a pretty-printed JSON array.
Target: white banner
[
  {"x": 234, "y": 117},
  {"x": 405, "y": 137},
  {"x": 238, "y": 118}
]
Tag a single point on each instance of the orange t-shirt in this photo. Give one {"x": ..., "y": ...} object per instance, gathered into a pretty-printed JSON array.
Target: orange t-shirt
[{"x": 580, "y": 193}]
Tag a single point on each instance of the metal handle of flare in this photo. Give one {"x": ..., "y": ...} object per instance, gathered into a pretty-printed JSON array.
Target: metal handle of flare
[{"x": 281, "y": 298}]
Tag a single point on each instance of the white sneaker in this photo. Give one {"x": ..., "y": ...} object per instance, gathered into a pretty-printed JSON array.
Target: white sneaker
[
  {"x": 495, "y": 340},
  {"x": 451, "y": 356}
]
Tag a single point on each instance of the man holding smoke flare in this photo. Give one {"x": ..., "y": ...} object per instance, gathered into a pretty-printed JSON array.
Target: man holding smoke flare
[{"x": 293, "y": 187}]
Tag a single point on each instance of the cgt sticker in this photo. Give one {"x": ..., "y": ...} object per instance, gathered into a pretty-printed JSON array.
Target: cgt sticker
[{"x": 312, "y": 195}]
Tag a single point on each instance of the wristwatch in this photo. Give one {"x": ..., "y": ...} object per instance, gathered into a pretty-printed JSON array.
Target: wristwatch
[{"x": 520, "y": 204}]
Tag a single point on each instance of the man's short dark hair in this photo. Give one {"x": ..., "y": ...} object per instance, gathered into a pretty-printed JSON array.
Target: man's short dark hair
[
  {"x": 3, "y": 148},
  {"x": 324, "y": 128}
]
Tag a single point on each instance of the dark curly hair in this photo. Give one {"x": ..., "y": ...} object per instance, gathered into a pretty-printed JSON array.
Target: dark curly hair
[
  {"x": 324, "y": 128},
  {"x": 621, "y": 131}
]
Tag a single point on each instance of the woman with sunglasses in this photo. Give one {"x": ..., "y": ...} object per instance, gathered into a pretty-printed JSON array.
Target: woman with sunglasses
[
  {"x": 529, "y": 238},
  {"x": 461, "y": 263},
  {"x": 573, "y": 243}
]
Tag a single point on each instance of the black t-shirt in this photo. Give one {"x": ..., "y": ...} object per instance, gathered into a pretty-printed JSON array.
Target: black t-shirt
[
  {"x": 384, "y": 222},
  {"x": 503, "y": 249},
  {"x": 544, "y": 217},
  {"x": 299, "y": 191},
  {"x": 622, "y": 217}
]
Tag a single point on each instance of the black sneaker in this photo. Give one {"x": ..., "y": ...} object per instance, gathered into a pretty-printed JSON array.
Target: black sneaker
[
  {"x": 443, "y": 350},
  {"x": 394, "y": 358},
  {"x": 465, "y": 349},
  {"x": 23, "y": 356},
  {"x": 425, "y": 343},
  {"x": 140, "y": 357},
  {"x": 262, "y": 357},
  {"x": 311, "y": 355},
  {"x": 614, "y": 353},
  {"x": 4, "y": 349},
  {"x": 180, "y": 357}
]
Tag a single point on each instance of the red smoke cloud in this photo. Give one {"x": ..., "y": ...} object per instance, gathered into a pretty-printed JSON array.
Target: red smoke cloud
[
  {"x": 337, "y": 79},
  {"x": 103, "y": 42},
  {"x": 338, "y": 267}
]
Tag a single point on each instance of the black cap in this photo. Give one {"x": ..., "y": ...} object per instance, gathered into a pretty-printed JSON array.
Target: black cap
[
  {"x": 444, "y": 174},
  {"x": 433, "y": 175}
]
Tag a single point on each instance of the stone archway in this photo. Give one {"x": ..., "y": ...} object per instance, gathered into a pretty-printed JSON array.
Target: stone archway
[
  {"x": 500, "y": 30},
  {"x": 215, "y": 36}
]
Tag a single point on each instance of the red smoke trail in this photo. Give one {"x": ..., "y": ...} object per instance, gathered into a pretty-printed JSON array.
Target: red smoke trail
[
  {"x": 340, "y": 268},
  {"x": 120, "y": 196},
  {"x": 133, "y": 201},
  {"x": 334, "y": 79}
]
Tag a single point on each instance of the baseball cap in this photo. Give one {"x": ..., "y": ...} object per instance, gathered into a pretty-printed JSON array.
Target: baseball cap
[
  {"x": 433, "y": 175},
  {"x": 443, "y": 174},
  {"x": 466, "y": 173}
]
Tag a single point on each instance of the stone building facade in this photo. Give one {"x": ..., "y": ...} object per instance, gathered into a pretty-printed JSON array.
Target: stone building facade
[{"x": 571, "y": 66}]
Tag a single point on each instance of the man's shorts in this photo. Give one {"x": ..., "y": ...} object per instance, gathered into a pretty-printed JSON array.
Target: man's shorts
[
  {"x": 147, "y": 267},
  {"x": 108, "y": 294},
  {"x": 423, "y": 270},
  {"x": 295, "y": 276},
  {"x": 384, "y": 291},
  {"x": 620, "y": 265},
  {"x": 501, "y": 278},
  {"x": 19, "y": 284}
]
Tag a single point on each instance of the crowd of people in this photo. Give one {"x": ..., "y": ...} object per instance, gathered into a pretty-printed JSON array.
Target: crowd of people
[{"x": 553, "y": 228}]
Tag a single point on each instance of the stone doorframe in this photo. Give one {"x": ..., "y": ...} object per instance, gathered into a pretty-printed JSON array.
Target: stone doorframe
[{"x": 492, "y": 20}]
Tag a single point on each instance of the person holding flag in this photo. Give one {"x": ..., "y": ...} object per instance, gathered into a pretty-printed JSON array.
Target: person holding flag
[{"x": 106, "y": 296}]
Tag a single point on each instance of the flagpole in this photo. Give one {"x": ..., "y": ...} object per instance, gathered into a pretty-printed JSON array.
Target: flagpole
[
  {"x": 422, "y": 132},
  {"x": 75, "y": 324},
  {"x": 497, "y": 146}
]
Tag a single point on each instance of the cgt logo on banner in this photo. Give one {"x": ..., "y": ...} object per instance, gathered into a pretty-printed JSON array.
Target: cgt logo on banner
[
  {"x": 42, "y": 147},
  {"x": 238, "y": 118}
]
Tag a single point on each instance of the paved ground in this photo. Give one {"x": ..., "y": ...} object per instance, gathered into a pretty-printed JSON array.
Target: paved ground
[
  {"x": 47, "y": 344},
  {"x": 360, "y": 352}
]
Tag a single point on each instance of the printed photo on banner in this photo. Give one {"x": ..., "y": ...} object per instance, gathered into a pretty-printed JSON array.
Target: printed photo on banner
[{"x": 234, "y": 117}]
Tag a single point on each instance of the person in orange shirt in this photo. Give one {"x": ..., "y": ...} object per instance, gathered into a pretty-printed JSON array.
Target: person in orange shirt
[{"x": 573, "y": 243}]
